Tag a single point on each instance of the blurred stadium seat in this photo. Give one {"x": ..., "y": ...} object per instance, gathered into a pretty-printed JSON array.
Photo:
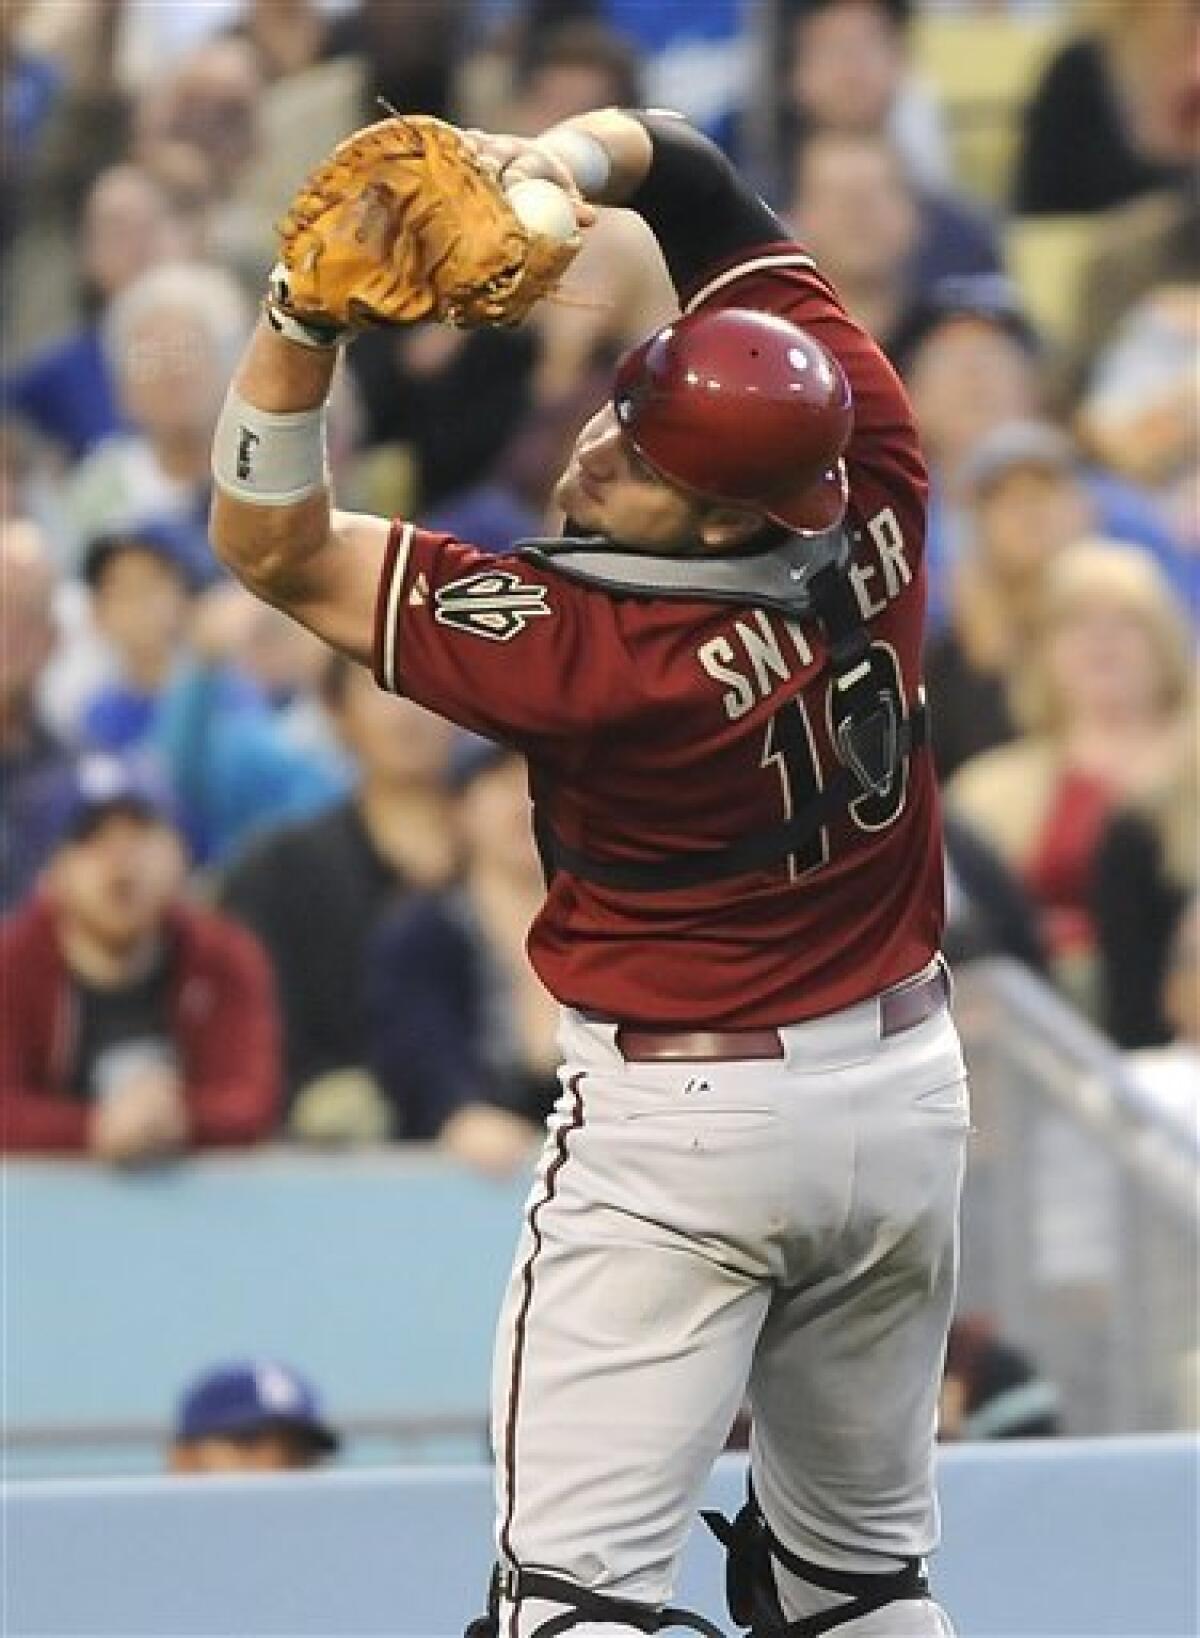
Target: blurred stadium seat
[
  {"x": 983, "y": 69},
  {"x": 1049, "y": 256}
]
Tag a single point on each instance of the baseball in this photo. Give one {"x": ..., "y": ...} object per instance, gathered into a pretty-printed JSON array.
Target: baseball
[{"x": 544, "y": 208}]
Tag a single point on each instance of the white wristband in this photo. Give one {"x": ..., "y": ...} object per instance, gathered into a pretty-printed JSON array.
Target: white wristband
[
  {"x": 584, "y": 155},
  {"x": 269, "y": 459},
  {"x": 302, "y": 334}
]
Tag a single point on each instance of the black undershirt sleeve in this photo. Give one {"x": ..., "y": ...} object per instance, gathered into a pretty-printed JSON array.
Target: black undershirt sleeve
[{"x": 698, "y": 206}]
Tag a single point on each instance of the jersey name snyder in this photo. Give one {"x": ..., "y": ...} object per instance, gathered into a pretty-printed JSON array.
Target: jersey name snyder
[{"x": 763, "y": 664}]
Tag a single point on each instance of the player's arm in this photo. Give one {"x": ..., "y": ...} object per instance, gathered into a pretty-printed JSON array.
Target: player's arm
[{"x": 272, "y": 523}]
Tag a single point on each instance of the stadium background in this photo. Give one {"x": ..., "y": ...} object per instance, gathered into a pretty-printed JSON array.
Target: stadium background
[{"x": 1005, "y": 195}]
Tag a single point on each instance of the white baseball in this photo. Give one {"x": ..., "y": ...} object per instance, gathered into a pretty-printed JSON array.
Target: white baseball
[{"x": 544, "y": 208}]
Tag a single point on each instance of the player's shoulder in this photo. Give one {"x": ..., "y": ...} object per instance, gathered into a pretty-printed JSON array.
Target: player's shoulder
[
  {"x": 485, "y": 593},
  {"x": 773, "y": 275}
]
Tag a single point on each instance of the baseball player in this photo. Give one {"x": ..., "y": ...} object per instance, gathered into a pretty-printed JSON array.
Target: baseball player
[{"x": 751, "y": 1180}]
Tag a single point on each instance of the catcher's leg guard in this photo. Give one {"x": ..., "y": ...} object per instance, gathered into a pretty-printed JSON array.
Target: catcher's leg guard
[
  {"x": 754, "y": 1598},
  {"x": 580, "y": 1606}
]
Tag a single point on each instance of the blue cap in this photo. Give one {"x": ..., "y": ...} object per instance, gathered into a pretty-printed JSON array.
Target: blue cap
[
  {"x": 178, "y": 542},
  {"x": 992, "y": 298},
  {"x": 99, "y": 784},
  {"x": 251, "y": 1396},
  {"x": 1018, "y": 444}
]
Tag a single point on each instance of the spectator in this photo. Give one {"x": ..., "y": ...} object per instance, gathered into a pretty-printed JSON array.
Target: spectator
[
  {"x": 142, "y": 582},
  {"x": 991, "y": 1390},
  {"x": 32, "y": 84},
  {"x": 1147, "y": 871},
  {"x": 283, "y": 664},
  {"x": 209, "y": 105},
  {"x": 171, "y": 337},
  {"x": 1132, "y": 251},
  {"x": 970, "y": 330},
  {"x": 207, "y": 100},
  {"x": 353, "y": 861},
  {"x": 134, "y": 1026},
  {"x": 1132, "y": 84},
  {"x": 1025, "y": 501},
  {"x": 1140, "y": 412},
  {"x": 988, "y": 912},
  {"x": 411, "y": 67},
  {"x": 973, "y": 363},
  {"x": 1170, "y": 1074},
  {"x": 79, "y": 128},
  {"x": 237, "y": 730},
  {"x": 66, "y": 388},
  {"x": 567, "y": 68},
  {"x": 1103, "y": 696},
  {"x": 696, "y": 57},
  {"x": 463, "y": 1033},
  {"x": 253, "y": 1417},
  {"x": 843, "y": 178},
  {"x": 33, "y": 759},
  {"x": 288, "y": 36},
  {"x": 850, "y": 71}
]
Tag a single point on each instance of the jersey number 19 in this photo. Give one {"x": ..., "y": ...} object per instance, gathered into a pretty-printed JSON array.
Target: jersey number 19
[{"x": 791, "y": 747}]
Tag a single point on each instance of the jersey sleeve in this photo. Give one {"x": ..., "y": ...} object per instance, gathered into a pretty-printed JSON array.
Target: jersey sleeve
[{"x": 497, "y": 644}]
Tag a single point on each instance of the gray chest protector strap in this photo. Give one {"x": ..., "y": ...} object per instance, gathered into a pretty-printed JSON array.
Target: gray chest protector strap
[
  {"x": 582, "y": 1606},
  {"x": 799, "y": 579}
]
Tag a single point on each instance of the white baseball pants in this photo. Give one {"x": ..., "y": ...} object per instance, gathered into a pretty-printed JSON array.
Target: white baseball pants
[{"x": 697, "y": 1232}]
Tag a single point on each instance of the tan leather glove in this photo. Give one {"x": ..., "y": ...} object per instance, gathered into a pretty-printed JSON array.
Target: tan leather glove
[{"x": 402, "y": 223}]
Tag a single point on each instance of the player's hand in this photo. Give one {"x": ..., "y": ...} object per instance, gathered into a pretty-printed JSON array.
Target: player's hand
[
  {"x": 513, "y": 159},
  {"x": 489, "y": 1140}
]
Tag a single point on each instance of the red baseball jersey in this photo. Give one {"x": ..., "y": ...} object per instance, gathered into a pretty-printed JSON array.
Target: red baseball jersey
[{"x": 664, "y": 727}]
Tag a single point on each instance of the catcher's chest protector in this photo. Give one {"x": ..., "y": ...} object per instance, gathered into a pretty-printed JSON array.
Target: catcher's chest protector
[{"x": 806, "y": 577}]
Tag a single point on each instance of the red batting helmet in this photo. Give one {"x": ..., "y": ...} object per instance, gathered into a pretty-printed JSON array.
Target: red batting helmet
[{"x": 741, "y": 407}]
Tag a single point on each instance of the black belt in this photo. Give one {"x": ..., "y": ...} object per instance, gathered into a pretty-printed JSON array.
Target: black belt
[{"x": 901, "y": 1008}]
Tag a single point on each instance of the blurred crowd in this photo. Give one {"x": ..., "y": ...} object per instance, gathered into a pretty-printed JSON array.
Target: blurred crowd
[{"x": 250, "y": 897}]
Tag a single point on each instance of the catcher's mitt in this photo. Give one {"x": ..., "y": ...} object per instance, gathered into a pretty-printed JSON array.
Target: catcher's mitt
[{"x": 402, "y": 223}]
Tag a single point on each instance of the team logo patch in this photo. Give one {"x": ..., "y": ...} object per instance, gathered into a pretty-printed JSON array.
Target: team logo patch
[{"x": 496, "y": 604}]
